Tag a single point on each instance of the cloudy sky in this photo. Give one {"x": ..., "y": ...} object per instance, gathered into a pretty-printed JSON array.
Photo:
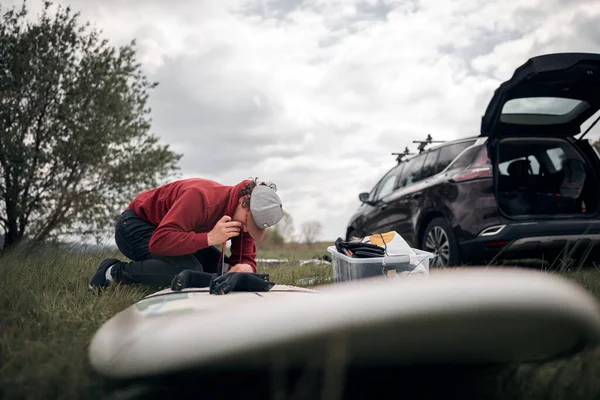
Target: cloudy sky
[{"x": 314, "y": 95}]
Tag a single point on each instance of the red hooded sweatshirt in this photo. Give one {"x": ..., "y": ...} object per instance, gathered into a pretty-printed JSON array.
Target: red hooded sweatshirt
[{"x": 185, "y": 211}]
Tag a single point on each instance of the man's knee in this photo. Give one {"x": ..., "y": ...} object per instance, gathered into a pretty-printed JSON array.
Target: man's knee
[{"x": 132, "y": 236}]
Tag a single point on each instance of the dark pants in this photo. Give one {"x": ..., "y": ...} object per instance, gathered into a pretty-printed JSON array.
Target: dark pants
[{"x": 132, "y": 236}]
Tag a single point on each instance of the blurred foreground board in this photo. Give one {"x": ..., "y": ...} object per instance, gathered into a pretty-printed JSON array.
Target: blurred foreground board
[{"x": 473, "y": 316}]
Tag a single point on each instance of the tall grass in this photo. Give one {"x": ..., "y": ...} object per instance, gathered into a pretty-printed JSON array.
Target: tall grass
[
  {"x": 48, "y": 316},
  {"x": 295, "y": 251}
]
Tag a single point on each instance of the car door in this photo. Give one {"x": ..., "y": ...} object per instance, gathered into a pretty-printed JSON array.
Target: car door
[
  {"x": 400, "y": 215},
  {"x": 448, "y": 154},
  {"x": 376, "y": 210},
  {"x": 408, "y": 203}
]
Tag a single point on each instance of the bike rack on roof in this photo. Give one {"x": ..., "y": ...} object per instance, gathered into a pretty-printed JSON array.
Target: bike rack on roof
[
  {"x": 401, "y": 156},
  {"x": 422, "y": 144}
]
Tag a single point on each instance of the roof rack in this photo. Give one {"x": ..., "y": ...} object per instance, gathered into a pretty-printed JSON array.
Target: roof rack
[
  {"x": 401, "y": 156},
  {"x": 423, "y": 143}
]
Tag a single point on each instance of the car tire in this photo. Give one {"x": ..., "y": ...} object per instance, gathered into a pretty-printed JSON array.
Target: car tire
[{"x": 439, "y": 238}]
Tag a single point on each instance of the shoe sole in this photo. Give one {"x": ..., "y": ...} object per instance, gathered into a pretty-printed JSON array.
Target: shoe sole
[{"x": 97, "y": 287}]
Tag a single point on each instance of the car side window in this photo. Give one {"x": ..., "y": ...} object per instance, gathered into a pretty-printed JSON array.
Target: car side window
[
  {"x": 466, "y": 158},
  {"x": 411, "y": 170},
  {"x": 429, "y": 165},
  {"x": 533, "y": 163},
  {"x": 557, "y": 156},
  {"x": 449, "y": 153},
  {"x": 387, "y": 184}
]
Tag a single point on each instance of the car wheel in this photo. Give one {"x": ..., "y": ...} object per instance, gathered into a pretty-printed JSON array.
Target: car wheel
[{"x": 439, "y": 239}]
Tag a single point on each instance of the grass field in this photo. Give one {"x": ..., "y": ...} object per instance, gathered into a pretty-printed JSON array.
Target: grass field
[{"x": 48, "y": 316}]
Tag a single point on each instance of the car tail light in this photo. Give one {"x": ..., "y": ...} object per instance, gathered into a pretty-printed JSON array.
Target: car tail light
[{"x": 480, "y": 168}]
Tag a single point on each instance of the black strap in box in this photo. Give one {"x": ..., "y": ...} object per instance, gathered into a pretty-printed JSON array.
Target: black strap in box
[{"x": 358, "y": 249}]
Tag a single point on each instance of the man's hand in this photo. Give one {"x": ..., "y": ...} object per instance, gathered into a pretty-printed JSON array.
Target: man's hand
[
  {"x": 241, "y": 268},
  {"x": 224, "y": 230}
]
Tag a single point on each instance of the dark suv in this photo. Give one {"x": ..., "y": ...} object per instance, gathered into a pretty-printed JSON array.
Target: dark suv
[{"x": 524, "y": 186}]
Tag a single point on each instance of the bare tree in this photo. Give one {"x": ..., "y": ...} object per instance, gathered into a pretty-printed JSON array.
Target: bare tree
[
  {"x": 311, "y": 231},
  {"x": 286, "y": 228}
]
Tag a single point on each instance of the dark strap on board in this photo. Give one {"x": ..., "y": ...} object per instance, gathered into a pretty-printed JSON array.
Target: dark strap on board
[
  {"x": 240, "y": 282},
  {"x": 191, "y": 279},
  {"x": 229, "y": 282}
]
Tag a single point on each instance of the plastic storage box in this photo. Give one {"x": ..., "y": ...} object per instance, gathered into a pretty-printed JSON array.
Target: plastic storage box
[{"x": 352, "y": 269}]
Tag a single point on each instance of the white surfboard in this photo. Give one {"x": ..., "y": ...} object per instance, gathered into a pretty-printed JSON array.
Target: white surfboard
[{"x": 457, "y": 317}]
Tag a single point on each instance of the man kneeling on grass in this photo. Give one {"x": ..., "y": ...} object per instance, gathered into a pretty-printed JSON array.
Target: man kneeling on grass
[{"x": 176, "y": 227}]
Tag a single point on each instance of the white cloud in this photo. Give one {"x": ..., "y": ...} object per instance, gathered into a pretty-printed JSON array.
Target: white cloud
[{"x": 315, "y": 95}]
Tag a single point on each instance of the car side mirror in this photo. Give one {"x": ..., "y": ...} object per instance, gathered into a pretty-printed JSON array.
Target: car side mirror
[{"x": 364, "y": 197}]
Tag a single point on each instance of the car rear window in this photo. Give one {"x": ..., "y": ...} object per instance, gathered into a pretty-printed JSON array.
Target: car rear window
[
  {"x": 540, "y": 106},
  {"x": 542, "y": 110}
]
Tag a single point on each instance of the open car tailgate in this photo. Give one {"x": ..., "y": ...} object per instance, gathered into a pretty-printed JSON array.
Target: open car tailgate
[{"x": 550, "y": 95}]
